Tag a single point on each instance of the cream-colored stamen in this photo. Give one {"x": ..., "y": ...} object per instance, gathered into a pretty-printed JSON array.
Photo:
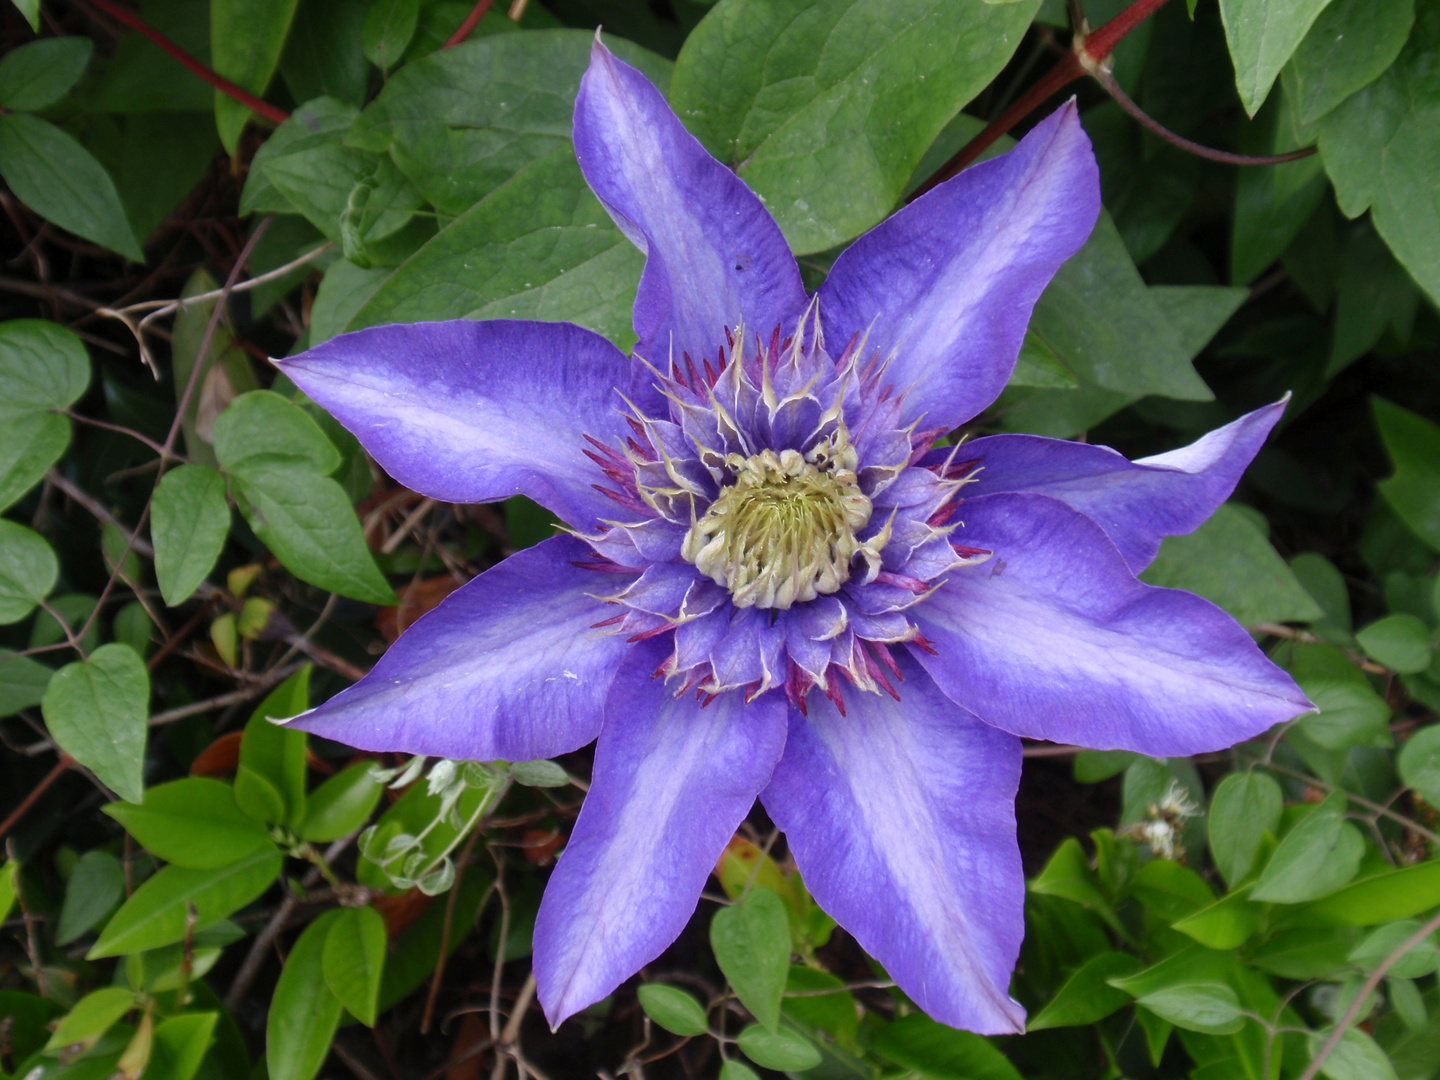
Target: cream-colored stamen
[{"x": 784, "y": 531}]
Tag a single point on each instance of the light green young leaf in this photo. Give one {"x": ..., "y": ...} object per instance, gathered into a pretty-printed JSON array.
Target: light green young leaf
[
  {"x": 28, "y": 570},
  {"x": 276, "y": 754},
  {"x": 827, "y": 106},
  {"x": 539, "y": 773},
  {"x": 156, "y": 912},
  {"x": 262, "y": 424},
  {"x": 782, "y": 1049},
  {"x": 389, "y": 26},
  {"x": 1244, "y": 807},
  {"x": 1348, "y": 47},
  {"x": 189, "y": 522},
  {"x": 92, "y": 1016},
  {"x": 673, "y": 1009},
  {"x": 308, "y": 522},
  {"x": 1400, "y": 642},
  {"x": 304, "y": 1013},
  {"x": 1262, "y": 35},
  {"x": 1229, "y": 561},
  {"x": 353, "y": 959},
  {"x": 194, "y": 822},
  {"x": 40, "y": 73},
  {"x": 97, "y": 711},
  {"x": 246, "y": 40},
  {"x": 96, "y": 885},
  {"x": 8, "y": 870},
  {"x": 180, "y": 1046},
  {"x": 1413, "y": 490},
  {"x": 30, "y": 9},
  {"x": 751, "y": 941},
  {"x": 1315, "y": 858},
  {"x": 61, "y": 181}
]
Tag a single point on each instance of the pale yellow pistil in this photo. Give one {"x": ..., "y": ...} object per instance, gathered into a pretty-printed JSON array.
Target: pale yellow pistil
[{"x": 784, "y": 531}]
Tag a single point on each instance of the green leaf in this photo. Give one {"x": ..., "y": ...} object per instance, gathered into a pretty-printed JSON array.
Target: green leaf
[
  {"x": 1087, "y": 997},
  {"x": 1197, "y": 312},
  {"x": 317, "y": 124},
  {"x": 61, "y": 181},
  {"x": 262, "y": 424},
  {"x": 308, "y": 522},
  {"x": 344, "y": 291},
  {"x": 1307, "y": 954},
  {"x": 304, "y": 1013},
  {"x": 1262, "y": 35},
  {"x": 30, "y": 9},
  {"x": 1316, "y": 857},
  {"x": 29, "y": 446},
  {"x": 1169, "y": 890},
  {"x": 1225, "y": 924},
  {"x": 1326, "y": 586},
  {"x": 180, "y": 1046},
  {"x": 353, "y": 959},
  {"x": 43, "y": 366},
  {"x": 734, "y": 1069},
  {"x": 1400, "y": 642},
  {"x": 1348, "y": 47},
  {"x": 1382, "y": 897},
  {"x": 834, "y": 1013},
  {"x": 1229, "y": 561},
  {"x": 1068, "y": 874},
  {"x": 751, "y": 941},
  {"x": 155, "y": 914},
  {"x": 22, "y": 682},
  {"x": 96, "y": 885},
  {"x": 189, "y": 523},
  {"x": 97, "y": 711},
  {"x": 1351, "y": 712},
  {"x": 1245, "y": 806},
  {"x": 1374, "y": 294},
  {"x": 782, "y": 1049},
  {"x": 1419, "y": 763},
  {"x": 194, "y": 823},
  {"x": 539, "y": 247},
  {"x": 1212, "y": 1008},
  {"x": 276, "y": 754},
  {"x": 341, "y": 804},
  {"x": 1095, "y": 766},
  {"x": 827, "y": 106},
  {"x": 29, "y": 1016},
  {"x": 942, "y": 1053},
  {"x": 389, "y": 26},
  {"x": 1420, "y": 959},
  {"x": 1100, "y": 320},
  {"x": 322, "y": 55},
  {"x": 40, "y": 73},
  {"x": 1355, "y": 1057},
  {"x": 463, "y": 121},
  {"x": 673, "y": 1009},
  {"x": 246, "y": 40},
  {"x": 92, "y": 1016},
  {"x": 539, "y": 773},
  {"x": 1413, "y": 490},
  {"x": 7, "y": 887},
  {"x": 28, "y": 570},
  {"x": 1407, "y": 1001}
]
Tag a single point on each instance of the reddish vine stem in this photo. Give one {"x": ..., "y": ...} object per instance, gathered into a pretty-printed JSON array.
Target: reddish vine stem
[
  {"x": 471, "y": 21},
  {"x": 39, "y": 789},
  {"x": 224, "y": 85}
]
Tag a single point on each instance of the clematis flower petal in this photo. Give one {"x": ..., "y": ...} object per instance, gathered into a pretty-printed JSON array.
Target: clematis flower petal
[
  {"x": 1054, "y": 638},
  {"x": 1138, "y": 503},
  {"x": 714, "y": 255},
  {"x": 506, "y": 667},
  {"x": 476, "y": 411},
  {"x": 901, "y": 817},
  {"x": 948, "y": 282},
  {"x": 672, "y": 781}
]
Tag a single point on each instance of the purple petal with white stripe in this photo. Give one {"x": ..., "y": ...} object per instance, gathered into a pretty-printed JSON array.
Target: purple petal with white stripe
[
  {"x": 1138, "y": 503},
  {"x": 1054, "y": 638},
  {"x": 901, "y": 817},
  {"x": 506, "y": 667},
  {"x": 949, "y": 281},
  {"x": 714, "y": 255},
  {"x": 672, "y": 781},
  {"x": 471, "y": 412}
]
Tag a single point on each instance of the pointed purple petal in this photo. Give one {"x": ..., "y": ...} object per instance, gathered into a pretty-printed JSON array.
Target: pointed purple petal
[
  {"x": 1137, "y": 503},
  {"x": 506, "y": 667},
  {"x": 1053, "y": 638},
  {"x": 901, "y": 817},
  {"x": 714, "y": 255},
  {"x": 672, "y": 781},
  {"x": 948, "y": 282},
  {"x": 470, "y": 412}
]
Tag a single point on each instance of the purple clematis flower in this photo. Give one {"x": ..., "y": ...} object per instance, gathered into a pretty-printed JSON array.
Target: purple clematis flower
[{"x": 777, "y": 583}]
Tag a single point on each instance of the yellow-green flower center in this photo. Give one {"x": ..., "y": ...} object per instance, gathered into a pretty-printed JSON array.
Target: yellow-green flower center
[{"x": 784, "y": 531}]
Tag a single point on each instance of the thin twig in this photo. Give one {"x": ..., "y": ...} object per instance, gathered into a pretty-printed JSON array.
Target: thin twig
[
  {"x": 445, "y": 927},
  {"x": 1383, "y": 811},
  {"x": 1366, "y": 989},
  {"x": 34, "y": 796},
  {"x": 471, "y": 21}
]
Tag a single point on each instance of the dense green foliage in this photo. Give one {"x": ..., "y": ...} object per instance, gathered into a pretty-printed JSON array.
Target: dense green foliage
[{"x": 1268, "y": 912}]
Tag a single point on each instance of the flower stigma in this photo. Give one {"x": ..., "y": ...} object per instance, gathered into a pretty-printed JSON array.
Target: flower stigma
[{"x": 784, "y": 531}]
